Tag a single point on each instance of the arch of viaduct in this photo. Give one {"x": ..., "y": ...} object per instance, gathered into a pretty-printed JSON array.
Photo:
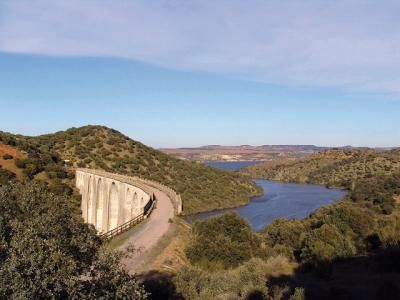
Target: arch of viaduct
[{"x": 110, "y": 200}]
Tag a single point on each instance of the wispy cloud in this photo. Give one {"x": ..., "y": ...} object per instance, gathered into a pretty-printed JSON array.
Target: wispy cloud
[{"x": 352, "y": 44}]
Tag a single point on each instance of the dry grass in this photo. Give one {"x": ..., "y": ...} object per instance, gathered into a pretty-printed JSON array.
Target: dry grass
[
  {"x": 43, "y": 176},
  {"x": 280, "y": 266},
  {"x": 168, "y": 255},
  {"x": 121, "y": 239}
]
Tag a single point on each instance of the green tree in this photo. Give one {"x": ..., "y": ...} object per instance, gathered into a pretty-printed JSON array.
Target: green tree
[
  {"x": 47, "y": 252},
  {"x": 222, "y": 242},
  {"x": 326, "y": 243},
  {"x": 284, "y": 234}
]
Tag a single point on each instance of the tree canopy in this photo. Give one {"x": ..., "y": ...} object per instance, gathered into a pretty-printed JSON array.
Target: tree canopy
[{"x": 46, "y": 251}]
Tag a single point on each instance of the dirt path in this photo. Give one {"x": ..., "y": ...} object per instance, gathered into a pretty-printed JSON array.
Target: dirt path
[{"x": 150, "y": 234}]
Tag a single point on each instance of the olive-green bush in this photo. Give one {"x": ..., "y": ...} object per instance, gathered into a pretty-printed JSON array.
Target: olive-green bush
[
  {"x": 47, "y": 252},
  {"x": 222, "y": 242}
]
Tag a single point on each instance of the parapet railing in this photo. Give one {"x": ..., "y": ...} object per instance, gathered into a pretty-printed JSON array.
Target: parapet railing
[
  {"x": 174, "y": 196},
  {"x": 124, "y": 227},
  {"x": 128, "y": 225},
  {"x": 142, "y": 184}
]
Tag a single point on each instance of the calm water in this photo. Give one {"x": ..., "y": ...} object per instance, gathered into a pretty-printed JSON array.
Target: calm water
[
  {"x": 231, "y": 166},
  {"x": 281, "y": 200}
]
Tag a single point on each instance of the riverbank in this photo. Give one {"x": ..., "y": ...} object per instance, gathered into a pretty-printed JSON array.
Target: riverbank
[{"x": 283, "y": 200}]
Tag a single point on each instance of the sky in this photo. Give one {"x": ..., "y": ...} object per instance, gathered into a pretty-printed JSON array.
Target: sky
[{"x": 190, "y": 73}]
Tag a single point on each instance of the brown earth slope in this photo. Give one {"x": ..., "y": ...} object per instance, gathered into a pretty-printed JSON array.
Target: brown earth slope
[{"x": 9, "y": 164}]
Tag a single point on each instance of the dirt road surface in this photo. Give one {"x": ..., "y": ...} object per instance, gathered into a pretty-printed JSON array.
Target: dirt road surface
[{"x": 150, "y": 234}]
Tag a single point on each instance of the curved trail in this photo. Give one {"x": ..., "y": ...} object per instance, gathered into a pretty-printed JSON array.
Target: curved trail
[{"x": 152, "y": 231}]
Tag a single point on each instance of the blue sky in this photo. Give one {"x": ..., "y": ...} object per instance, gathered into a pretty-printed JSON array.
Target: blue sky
[{"x": 191, "y": 73}]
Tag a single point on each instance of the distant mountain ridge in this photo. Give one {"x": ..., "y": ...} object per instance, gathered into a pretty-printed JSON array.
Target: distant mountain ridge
[
  {"x": 242, "y": 152},
  {"x": 252, "y": 153}
]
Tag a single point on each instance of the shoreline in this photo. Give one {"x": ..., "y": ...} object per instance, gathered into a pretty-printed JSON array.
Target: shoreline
[{"x": 190, "y": 219}]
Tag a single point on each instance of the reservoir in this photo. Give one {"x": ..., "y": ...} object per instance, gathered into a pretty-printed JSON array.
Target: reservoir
[{"x": 280, "y": 200}]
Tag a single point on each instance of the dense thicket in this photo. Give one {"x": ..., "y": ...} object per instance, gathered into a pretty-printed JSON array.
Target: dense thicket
[
  {"x": 47, "y": 252},
  {"x": 202, "y": 188}
]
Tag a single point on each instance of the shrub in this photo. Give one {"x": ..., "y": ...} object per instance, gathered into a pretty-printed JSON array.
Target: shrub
[
  {"x": 19, "y": 163},
  {"x": 285, "y": 233},
  {"x": 59, "y": 188},
  {"x": 299, "y": 294},
  {"x": 326, "y": 243},
  {"x": 47, "y": 252},
  {"x": 56, "y": 171},
  {"x": 6, "y": 176},
  {"x": 221, "y": 242},
  {"x": 243, "y": 282},
  {"x": 388, "y": 231},
  {"x": 7, "y": 156},
  {"x": 351, "y": 220},
  {"x": 32, "y": 168}
]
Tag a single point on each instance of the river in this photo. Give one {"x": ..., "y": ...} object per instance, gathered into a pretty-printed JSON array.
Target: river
[{"x": 280, "y": 200}]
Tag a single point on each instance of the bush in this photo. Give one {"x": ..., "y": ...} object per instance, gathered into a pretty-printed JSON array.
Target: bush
[
  {"x": 244, "y": 282},
  {"x": 285, "y": 233},
  {"x": 388, "y": 231},
  {"x": 56, "y": 171},
  {"x": 59, "y": 188},
  {"x": 7, "y": 156},
  {"x": 351, "y": 220},
  {"x": 221, "y": 242},
  {"x": 32, "y": 168},
  {"x": 299, "y": 294},
  {"x": 326, "y": 243},
  {"x": 6, "y": 176},
  {"x": 19, "y": 163},
  {"x": 47, "y": 252}
]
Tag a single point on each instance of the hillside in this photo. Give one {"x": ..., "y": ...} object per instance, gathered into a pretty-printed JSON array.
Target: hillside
[
  {"x": 335, "y": 168},
  {"x": 202, "y": 188}
]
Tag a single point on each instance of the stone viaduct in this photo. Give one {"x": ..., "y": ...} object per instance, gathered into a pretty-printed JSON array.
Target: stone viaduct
[{"x": 111, "y": 201}]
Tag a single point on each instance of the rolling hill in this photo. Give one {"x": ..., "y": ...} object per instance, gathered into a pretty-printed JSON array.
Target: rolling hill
[
  {"x": 334, "y": 168},
  {"x": 53, "y": 157}
]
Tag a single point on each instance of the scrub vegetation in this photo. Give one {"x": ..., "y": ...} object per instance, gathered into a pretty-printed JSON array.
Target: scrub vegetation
[
  {"x": 202, "y": 188},
  {"x": 348, "y": 250},
  {"x": 334, "y": 168},
  {"x": 47, "y": 252}
]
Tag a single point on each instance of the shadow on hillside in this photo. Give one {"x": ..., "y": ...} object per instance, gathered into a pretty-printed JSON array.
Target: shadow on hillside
[
  {"x": 160, "y": 286},
  {"x": 369, "y": 277}
]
